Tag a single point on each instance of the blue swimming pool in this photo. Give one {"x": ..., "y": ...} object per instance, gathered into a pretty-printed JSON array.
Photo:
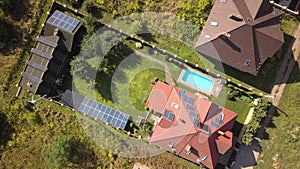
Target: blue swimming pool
[{"x": 198, "y": 81}]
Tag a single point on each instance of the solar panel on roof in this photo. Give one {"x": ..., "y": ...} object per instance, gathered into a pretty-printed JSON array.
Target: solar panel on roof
[
  {"x": 191, "y": 100},
  {"x": 215, "y": 125},
  {"x": 63, "y": 21},
  {"x": 192, "y": 113},
  {"x": 190, "y": 107},
  {"x": 169, "y": 115},
  {"x": 195, "y": 122},
  {"x": 104, "y": 113},
  {"x": 181, "y": 92},
  {"x": 185, "y": 98},
  {"x": 218, "y": 121}
]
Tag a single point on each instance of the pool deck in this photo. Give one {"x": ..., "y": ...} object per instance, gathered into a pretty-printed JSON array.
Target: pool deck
[{"x": 217, "y": 83}]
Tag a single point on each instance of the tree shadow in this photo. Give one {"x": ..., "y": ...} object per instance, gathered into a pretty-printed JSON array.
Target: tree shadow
[
  {"x": 148, "y": 37},
  {"x": 82, "y": 155},
  {"x": 6, "y": 130},
  {"x": 17, "y": 9},
  {"x": 10, "y": 36},
  {"x": 295, "y": 75},
  {"x": 278, "y": 112},
  {"x": 237, "y": 127}
]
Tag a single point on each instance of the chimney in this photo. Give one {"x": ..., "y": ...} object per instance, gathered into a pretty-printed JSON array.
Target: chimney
[
  {"x": 55, "y": 32},
  {"x": 226, "y": 34}
]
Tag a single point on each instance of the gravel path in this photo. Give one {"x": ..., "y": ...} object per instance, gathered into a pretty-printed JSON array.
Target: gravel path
[{"x": 169, "y": 78}]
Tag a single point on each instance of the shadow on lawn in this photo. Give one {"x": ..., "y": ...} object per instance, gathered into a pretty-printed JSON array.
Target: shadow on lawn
[{"x": 6, "y": 130}]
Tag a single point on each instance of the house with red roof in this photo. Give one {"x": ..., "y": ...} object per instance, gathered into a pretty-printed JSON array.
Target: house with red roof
[{"x": 190, "y": 126}]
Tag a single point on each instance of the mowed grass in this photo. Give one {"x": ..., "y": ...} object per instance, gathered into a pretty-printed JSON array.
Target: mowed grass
[
  {"x": 283, "y": 133},
  {"x": 239, "y": 107},
  {"x": 141, "y": 87}
]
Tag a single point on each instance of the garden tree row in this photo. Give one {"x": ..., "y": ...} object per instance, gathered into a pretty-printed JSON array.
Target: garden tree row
[
  {"x": 259, "y": 113},
  {"x": 194, "y": 11}
]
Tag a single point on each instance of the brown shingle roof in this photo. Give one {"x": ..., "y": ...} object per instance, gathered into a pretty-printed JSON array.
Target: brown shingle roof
[{"x": 242, "y": 33}]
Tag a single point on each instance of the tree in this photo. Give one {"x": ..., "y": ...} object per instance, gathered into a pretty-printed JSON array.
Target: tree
[
  {"x": 59, "y": 153},
  {"x": 247, "y": 138}
]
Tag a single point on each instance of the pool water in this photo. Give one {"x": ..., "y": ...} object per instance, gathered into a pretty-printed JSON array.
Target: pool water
[{"x": 198, "y": 81}]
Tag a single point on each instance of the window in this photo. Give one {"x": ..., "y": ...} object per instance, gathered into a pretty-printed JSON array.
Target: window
[
  {"x": 204, "y": 128},
  {"x": 171, "y": 144},
  {"x": 214, "y": 23},
  {"x": 175, "y": 105},
  {"x": 207, "y": 36},
  {"x": 247, "y": 62}
]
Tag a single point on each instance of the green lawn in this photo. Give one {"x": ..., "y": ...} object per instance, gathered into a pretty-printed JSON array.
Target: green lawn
[
  {"x": 240, "y": 107},
  {"x": 141, "y": 86},
  {"x": 178, "y": 48},
  {"x": 283, "y": 133}
]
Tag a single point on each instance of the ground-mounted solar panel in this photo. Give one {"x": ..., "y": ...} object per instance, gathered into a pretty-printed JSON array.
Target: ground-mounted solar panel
[
  {"x": 63, "y": 21},
  {"x": 103, "y": 113}
]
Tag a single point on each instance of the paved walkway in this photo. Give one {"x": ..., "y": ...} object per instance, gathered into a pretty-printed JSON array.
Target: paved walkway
[{"x": 169, "y": 78}]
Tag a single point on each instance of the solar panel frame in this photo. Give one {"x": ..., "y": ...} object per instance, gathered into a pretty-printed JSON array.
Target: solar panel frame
[
  {"x": 215, "y": 125},
  {"x": 63, "y": 21},
  {"x": 190, "y": 100},
  {"x": 195, "y": 121},
  {"x": 185, "y": 98},
  {"x": 192, "y": 113},
  {"x": 103, "y": 113},
  {"x": 190, "y": 107}
]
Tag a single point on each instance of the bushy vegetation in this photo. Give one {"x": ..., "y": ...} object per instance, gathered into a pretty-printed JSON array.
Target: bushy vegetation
[{"x": 260, "y": 111}]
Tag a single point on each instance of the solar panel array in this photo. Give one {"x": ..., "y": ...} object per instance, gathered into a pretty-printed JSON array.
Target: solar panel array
[
  {"x": 103, "y": 113},
  {"x": 169, "y": 115},
  {"x": 63, "y": 21},
  {"x": 189, "y": 107},
  {"x": 192, "y": 113},
  {"x": 195, "y": 121}
]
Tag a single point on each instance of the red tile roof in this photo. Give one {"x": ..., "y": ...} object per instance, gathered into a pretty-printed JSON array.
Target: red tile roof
[{"x": 182, "y": 131}]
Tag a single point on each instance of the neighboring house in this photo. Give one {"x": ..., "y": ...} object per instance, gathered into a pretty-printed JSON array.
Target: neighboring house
[
  {"x": 242, "y": 33},
  {"x": 191, "y": 127},
  {"x": 49, "y": 54}
]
